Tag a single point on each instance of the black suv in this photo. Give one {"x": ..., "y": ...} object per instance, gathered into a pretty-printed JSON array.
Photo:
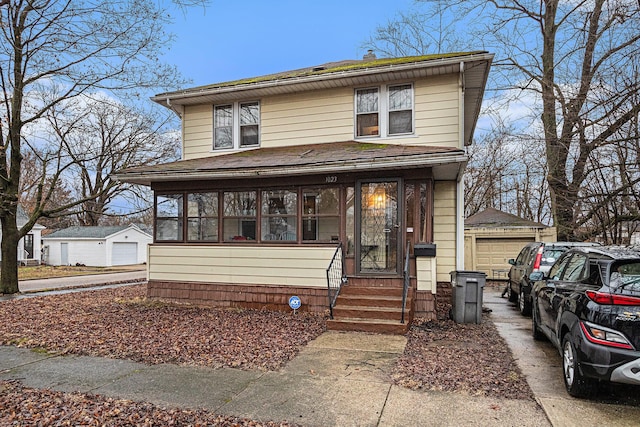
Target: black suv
[
  {"x": 589, "y": 308},
  {"x": 535, "y": 256}
]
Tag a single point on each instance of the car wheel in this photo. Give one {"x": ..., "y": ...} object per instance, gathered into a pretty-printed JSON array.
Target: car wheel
[
  {"x": 523, "y": 303},
  {"x": 512, "y": 296},
  {"x": 536, "y": 332},
  {"x": 577, "y": 385}
]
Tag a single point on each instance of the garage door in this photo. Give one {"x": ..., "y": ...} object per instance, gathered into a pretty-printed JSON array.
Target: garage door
[
  {"x": 492, "y": 255},
  {"x": 124, "y": 253}
]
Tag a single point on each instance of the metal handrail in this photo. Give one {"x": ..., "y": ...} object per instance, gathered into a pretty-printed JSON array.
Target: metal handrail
[
  {"x": 407, "y": 280},
  {"x": 335, "y": 277}
]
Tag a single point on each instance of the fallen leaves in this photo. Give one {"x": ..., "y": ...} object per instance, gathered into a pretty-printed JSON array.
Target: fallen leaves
[
  {"x": 121, "y": 323},
  {"x": 469, "y": 358},
  {"x": 21, "y": 405}
]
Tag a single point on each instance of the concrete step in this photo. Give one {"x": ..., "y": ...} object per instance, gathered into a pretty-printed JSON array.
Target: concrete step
[{"x": 368, "y": 325}]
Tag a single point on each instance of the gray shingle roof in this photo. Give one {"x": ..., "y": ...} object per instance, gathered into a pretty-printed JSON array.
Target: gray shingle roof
[
  {"x": 491, "y": 217},
  {"x": 99, "y": 232}
]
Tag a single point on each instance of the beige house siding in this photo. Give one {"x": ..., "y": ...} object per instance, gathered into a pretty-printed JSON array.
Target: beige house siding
[
  {"x": 307, "y": 118},
  {"x": 437, "y": 102},
  {"x": 444, "y": 228},
  {"x": 426, "y": 273},
  {"x": 197, "y": 131},
  {"x": 328, "y": 116},
  {"x": 264, "y": 265}
]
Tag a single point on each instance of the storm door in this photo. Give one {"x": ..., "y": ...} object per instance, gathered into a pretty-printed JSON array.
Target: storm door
[{"x": 378, "y": 225}]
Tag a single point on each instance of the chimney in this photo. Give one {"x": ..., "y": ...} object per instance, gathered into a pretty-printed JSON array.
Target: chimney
[{"x": 369, "y": 56}]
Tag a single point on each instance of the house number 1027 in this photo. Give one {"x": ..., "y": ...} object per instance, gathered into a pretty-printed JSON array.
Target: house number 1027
[{"x": 331, "y": 178}]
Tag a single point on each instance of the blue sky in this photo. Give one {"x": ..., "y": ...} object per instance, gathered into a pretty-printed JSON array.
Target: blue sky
[{"x": 234, "y": 39}]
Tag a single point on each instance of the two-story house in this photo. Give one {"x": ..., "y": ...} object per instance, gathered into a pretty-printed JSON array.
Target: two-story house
[{"x": 354, "y": 161}]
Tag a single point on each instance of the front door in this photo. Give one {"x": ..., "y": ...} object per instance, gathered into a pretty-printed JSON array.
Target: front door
[{"x": 378, "y": 225}]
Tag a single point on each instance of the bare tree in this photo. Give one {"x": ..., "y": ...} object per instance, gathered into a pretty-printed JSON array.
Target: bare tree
[
  {"x": 579, "y": 61},
  {"x": 100, "y": 136},
  {"x": 56, "y": 50}
]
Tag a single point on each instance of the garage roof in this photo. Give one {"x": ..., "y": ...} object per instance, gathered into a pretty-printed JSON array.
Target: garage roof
[{"x": 492, "y": 217}]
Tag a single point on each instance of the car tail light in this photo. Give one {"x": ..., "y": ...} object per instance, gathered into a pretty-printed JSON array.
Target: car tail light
[
  {"x": 538, "y": 260},
  {"x": 606, "y": 298},
  {"x": 605, "y": 336}
]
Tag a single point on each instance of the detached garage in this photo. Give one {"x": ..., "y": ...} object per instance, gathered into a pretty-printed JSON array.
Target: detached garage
[
  {"x": 492, "y": 237},
  {"x": 97, "y": 246}
]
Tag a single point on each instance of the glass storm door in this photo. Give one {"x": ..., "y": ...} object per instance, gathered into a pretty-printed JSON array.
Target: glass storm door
[{"x": 379, "y": 227}]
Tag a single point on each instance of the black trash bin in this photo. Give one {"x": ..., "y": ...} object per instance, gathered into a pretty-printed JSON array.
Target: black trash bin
[{"x": 467, "y": 288}]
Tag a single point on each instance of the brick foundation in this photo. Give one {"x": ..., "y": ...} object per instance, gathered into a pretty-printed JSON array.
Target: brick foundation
[
  {"x": 425, "y": 305},
  {"x": 242, "y": 296}
]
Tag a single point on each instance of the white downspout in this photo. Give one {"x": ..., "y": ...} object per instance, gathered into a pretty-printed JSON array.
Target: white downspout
[
  {"x": 179, "y": 114},
  {"x": 460, "y": 182}
]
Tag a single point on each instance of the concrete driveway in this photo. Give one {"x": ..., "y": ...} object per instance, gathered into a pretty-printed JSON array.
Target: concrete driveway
[
  {"x": 39, "y": 285},
  {"x": 540, "y": 362}
]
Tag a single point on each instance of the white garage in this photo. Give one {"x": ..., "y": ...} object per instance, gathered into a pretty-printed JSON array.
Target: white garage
[
  {"x": 97, "y": 246},
  {"x": 492, "y": 237}
]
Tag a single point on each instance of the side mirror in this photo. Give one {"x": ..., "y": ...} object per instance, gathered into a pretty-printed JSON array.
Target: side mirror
[
  {"x": 536, "y": 275},
  {"x": 512, "y": 261}
]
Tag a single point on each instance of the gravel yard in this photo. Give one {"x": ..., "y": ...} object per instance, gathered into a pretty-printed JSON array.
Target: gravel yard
[{"x": 121, "y": 323}]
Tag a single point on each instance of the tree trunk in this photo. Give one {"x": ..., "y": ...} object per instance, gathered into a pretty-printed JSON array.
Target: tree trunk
[{"x": 10, "y": 238}]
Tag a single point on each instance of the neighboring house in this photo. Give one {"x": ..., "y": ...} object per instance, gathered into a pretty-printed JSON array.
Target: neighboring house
[
  {"x": 278, "y": 170},
  {"x": 492, "y": 237},
  {"x": 97, "y": 246},
  {"x": 29, "y": 247}
]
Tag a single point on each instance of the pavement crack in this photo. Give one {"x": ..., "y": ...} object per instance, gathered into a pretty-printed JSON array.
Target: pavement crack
[{"x": 386, "y": 399}]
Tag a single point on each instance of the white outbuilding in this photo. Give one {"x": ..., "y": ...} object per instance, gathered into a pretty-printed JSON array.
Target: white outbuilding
[{"x": 97, "y": 246}]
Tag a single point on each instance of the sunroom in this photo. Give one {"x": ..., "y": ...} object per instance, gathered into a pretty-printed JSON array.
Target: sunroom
[{"x": 253, "y": 228}]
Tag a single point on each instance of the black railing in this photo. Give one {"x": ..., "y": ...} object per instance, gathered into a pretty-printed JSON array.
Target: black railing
[
  {"x": 407, "y": 280},
  {"x": 335, "y": 277}
]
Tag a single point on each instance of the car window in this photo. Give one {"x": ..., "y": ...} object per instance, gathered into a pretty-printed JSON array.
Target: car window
[
  {"x": 575, "y": 270},
  {"x": 522, "y": 256},
  {"x": 549, "y": 256},
  {"x": 626, "y": 275},
  {"x": 557, "y": 268}
]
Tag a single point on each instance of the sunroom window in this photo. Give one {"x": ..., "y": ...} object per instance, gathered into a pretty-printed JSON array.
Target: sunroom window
[
  {"x": 321, "y": 214},
  {"x": 202, "y": 217},
  {"x": 239, "y": 221},
  {"x": 279, "y": 215},
  {"x": 236, "y": 125},
  {"x": 169, "y": 217}
]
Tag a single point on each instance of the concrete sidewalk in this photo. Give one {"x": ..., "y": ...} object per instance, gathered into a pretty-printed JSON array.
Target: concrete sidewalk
[
  {"x": 339, "y": 379},
  {"x": 39, "y": 285}
]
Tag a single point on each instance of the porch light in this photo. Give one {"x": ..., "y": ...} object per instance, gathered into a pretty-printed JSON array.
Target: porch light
[{"x": 379, "y": 199}]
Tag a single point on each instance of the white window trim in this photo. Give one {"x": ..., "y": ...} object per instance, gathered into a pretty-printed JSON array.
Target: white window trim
[
  {"x": 383, "y": 112},
  {"x": 235, "y": 129}
]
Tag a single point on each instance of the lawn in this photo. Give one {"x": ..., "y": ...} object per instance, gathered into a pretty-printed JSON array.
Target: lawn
[{"x": 49, "y": 271}]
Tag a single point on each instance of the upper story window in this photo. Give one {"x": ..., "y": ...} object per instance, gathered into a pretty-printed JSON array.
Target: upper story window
[
  {"x": 236, "y": 125},
  {"x": 384, "y": 111}
]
